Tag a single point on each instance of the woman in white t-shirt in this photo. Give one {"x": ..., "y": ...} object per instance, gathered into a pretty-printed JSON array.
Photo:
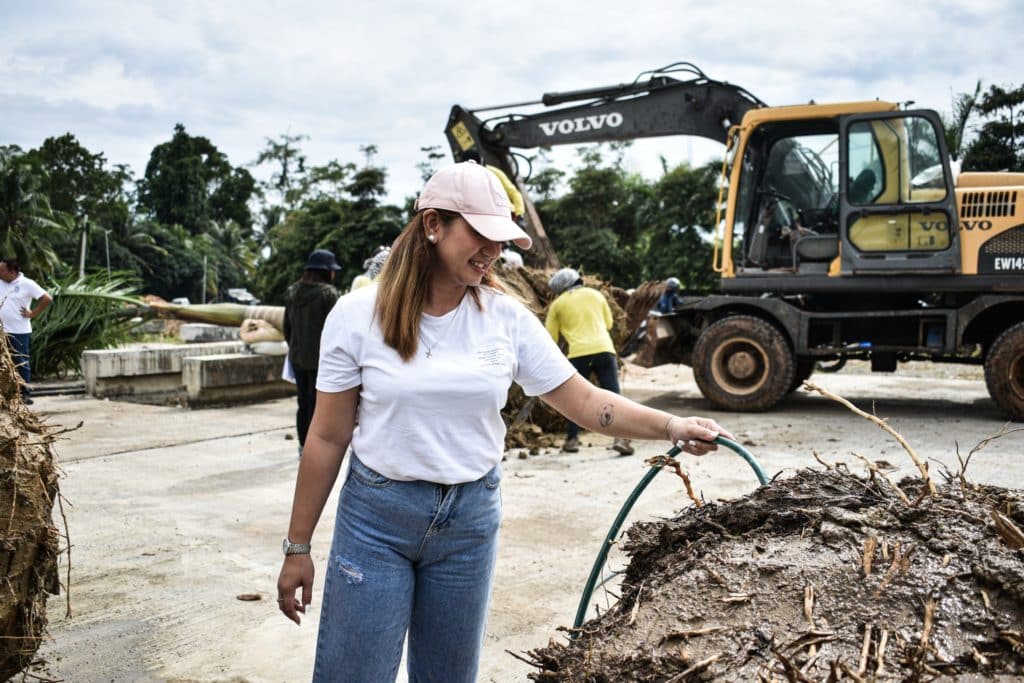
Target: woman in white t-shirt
[{"x": 422, "y": 361}]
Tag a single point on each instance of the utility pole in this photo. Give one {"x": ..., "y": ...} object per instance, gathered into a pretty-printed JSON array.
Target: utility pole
[
  {"x": 106, "y": 246},
  {"x": 82, "y": 246},
  {"x": 204, "y": 278}
]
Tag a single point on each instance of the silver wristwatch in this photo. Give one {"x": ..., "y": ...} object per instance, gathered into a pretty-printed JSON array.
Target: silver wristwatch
[{"x": 295, "y": 548}]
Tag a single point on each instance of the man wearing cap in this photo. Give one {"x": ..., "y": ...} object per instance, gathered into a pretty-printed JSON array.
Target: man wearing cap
[
  {"x": 307, "y": 303},
  {"x": 425, "y": 358}
]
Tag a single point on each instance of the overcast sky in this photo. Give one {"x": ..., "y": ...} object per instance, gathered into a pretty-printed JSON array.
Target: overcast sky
[{"x": 119, "y": 75}]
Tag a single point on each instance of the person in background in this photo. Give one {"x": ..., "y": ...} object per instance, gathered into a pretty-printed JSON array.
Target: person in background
[
  {"x": 371, "y": 268},
  {"x": 307, "y": 303},
  {"x": 511, "y": 258},
  {"x": 582, "y": 317},
  {"x": 17, "y": 292},
  {"x": 424, "y": 358},
  {"x": 670, "y": 300},
  {"x": 515, "y": 197}
]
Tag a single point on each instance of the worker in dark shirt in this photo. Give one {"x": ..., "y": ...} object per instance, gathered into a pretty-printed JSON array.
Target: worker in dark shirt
[
  {"x": 307, "y": 303},
  {"x": 670, "y": 300}
]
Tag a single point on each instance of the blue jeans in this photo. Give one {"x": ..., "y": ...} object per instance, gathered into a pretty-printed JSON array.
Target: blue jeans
[
  {"x": 21, "y": 351},
  {"x": 606, "y": 368},
  {"x": 408, "y": 557}
]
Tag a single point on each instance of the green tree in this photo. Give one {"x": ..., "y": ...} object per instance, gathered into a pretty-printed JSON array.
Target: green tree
[
  {"x": 302, "y": 230},
  {"x": 678, "y": 224},
  {"x": 429, "y": 165},
  {"x": 79, "y": 184},
  {"x": 174, "y": 268},
  {"x": 350, "y": 221},
  {"x": 29, "y": 227},
  {"x": 545, "y": 182},
  {"x": 286, "y": 154},
  {"x": 328, "y": 181},
  {"x": 998, "y": 145},
  {"x": 956, "y": 126},
  {"x": 594, "y": 225},
  {"x": 189, "y": 182},
  {"x": 232, "y": 259},
  {"x": 229, "y": 202}
]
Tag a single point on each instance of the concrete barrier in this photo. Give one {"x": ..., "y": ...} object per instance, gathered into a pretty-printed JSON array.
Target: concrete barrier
[
  {"x": 233, "y": 378},
  {"x": 150, "y": 373}
]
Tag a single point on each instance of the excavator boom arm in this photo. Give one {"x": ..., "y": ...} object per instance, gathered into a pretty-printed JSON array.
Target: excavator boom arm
[
  {"x": 656, "y": 106},
  {"x": 699, "y": 107}
]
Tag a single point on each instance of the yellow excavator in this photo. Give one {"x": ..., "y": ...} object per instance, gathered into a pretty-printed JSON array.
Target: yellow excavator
[{"x": 844, "y": 232}]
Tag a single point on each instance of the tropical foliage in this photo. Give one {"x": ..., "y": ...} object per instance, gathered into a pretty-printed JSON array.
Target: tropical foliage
[
  {"x": 29, "y": 227},
  {"x": 86, "y": 313},
  {"x": 999, "y": 144}
]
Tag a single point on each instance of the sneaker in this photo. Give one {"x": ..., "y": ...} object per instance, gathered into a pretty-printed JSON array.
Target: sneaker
[
  {"x": 571, "y": 445},
  {"x": 622, "y": 447}
]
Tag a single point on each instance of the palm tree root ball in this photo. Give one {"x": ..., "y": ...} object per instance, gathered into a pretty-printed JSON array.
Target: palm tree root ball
[
  {"x": 28, "y": 539},
  {"x": 823, "y": 576}
]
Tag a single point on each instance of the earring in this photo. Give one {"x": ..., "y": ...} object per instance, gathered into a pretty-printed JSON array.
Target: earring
[{"x": 432, "y": 238}]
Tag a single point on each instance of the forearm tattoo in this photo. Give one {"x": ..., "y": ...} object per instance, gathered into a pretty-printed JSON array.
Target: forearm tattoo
[{"x": 607, "y": 415}]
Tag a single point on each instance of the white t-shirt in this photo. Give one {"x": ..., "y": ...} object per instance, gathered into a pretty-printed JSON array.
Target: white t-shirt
[
  {"x": 437, "y": 418},
  {"x": 14, "y": 296}
]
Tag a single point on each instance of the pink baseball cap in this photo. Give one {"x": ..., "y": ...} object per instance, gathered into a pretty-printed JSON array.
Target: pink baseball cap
[{"x": 477, "y": 194}]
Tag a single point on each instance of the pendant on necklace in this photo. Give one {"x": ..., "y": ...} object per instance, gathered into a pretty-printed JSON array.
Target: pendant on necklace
[{"x": 428, "y": 353}]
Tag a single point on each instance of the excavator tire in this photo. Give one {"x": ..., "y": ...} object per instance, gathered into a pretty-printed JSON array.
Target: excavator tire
[
  {"x": 743, "y": 363},
  {"x": 1004, "y": 371}
]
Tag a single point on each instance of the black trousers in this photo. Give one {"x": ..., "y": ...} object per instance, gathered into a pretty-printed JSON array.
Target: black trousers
[{"x": 305, "y": 387}]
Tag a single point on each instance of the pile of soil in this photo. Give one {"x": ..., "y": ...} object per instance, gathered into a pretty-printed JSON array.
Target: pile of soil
[
  {"x": 822, "y": 576},
  {"x": 28, "y": 538}
]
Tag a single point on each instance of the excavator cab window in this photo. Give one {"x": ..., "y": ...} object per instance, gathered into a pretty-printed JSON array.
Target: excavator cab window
[
  {"x": 895, "y": 164},
  {"x": 791, "y": 197}
]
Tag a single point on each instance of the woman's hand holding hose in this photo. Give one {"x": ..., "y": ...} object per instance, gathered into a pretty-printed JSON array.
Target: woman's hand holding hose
[{"x": 694, "y": 435}]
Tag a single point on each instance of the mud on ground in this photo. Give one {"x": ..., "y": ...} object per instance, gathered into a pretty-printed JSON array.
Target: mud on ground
[{"x": 821, "y": 576}]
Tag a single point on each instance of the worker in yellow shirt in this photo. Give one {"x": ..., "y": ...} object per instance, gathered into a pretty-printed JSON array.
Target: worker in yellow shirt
[{"x": 582, "y": 317}]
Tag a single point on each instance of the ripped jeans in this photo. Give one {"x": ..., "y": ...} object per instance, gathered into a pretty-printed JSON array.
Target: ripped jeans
[{"x": 408, "y": 557}]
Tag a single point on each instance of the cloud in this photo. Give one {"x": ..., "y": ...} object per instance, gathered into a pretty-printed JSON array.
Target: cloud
[{"x": 119, "y": 75}]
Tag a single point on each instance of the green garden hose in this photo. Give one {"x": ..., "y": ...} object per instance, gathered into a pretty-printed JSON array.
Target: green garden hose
[{"x": 602, "y": 555}]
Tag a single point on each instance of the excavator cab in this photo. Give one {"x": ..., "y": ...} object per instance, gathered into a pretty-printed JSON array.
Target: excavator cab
[{"x": 867, "y": 193}]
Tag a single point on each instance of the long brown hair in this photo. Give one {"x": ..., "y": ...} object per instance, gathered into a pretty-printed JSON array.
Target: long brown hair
[{"x": 403, "y": 283}]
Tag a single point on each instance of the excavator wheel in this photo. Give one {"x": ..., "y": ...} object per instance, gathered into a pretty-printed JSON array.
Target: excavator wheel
[
  {"x": 743, "y": 363},
  {"x": 1004, "y": 371}
]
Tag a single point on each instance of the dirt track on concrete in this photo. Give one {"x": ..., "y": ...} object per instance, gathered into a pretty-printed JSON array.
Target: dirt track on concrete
[{"x": 176, "y": 513}]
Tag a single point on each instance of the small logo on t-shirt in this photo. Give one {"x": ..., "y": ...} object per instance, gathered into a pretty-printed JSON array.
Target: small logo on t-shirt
[{"x": 490, "y": 356}]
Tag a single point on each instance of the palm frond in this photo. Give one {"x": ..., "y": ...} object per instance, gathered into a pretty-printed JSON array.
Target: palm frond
[{"x": 94, "y": 312}]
